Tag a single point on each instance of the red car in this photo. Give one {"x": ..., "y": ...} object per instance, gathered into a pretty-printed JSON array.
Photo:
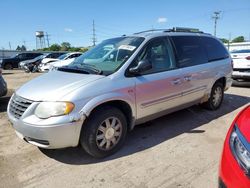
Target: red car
[{"x": 235, "y": 160}]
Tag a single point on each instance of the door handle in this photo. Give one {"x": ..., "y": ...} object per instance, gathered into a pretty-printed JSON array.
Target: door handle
[
  {"x": 187, "y": 78},
  {"x": 176, "y": 81}
]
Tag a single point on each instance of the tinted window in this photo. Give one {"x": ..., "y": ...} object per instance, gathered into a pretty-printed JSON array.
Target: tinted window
[
  {"x": 30, "y": 55},
  {"x": 159, "y": 53},
  {"x": 189, "y": 51},
  {"x": 21, "y": 56},
  {"x": 215, "y": 49}
]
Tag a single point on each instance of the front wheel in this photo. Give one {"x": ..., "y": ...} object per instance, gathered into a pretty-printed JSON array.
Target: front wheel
[
  {"x": 8, "y": 66},
  {"x": 216, "y": 97},
  {"x": 104, "y": 132}
]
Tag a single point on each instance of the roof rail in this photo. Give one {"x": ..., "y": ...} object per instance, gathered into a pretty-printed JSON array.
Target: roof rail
[
  {"x": 150, "y": 30},
  {"x": 174, "y": 29},
  {"x": 184, "y": 29}
]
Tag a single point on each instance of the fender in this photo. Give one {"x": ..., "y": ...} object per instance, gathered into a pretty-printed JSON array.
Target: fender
[{"x": 108, "y": 97}]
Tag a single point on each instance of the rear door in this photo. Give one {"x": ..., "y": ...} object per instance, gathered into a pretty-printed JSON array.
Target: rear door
[
  {"x": 193, "y": 63},
  {"x": 160, "y": 88}
]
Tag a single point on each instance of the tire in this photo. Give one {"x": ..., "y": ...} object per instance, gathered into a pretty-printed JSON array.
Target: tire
[
  {"x": 104, "y": 132},
  {"x": 8, "y": 66},
  {"x": 216, "y": 97}
]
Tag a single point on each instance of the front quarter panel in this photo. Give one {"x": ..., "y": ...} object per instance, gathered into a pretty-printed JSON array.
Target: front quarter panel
[{"x": 110, "y": 88}]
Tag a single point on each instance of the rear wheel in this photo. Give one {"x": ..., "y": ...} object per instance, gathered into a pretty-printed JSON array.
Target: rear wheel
[
  {"x": 216, "y": 97},
  {"x": 8, "y": 66},
  {"x": 104, "y": 132}
]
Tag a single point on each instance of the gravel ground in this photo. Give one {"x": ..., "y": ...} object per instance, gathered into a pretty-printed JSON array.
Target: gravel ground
[{"x": 178, "y": 150}]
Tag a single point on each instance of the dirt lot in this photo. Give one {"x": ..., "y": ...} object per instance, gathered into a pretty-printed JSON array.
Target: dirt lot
[{"x": 178, "y": 150}]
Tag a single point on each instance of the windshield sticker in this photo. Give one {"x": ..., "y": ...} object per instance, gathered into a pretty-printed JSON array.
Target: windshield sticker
[{"x": 127, "y": 47}]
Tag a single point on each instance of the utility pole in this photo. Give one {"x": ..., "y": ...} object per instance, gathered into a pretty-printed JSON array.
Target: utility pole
[
  {"x": 216, "y": 16},
  {"x": 10, "y": 45},
  {"x": 47, "y": 38},
  {"x": 24, "y": 43},
  {"x": 94, "y": 35},
  {"x": 229, "y": 39}
]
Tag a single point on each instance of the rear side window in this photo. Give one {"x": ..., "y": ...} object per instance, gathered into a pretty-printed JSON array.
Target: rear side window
[
  {"x": 215, "y": 50},
  {"x": 190, "y": 51}
]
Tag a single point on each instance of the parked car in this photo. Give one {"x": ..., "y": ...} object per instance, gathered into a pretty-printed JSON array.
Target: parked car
[
  {"x": 65, "y": 62},
  {"x": 53, "y": 57},
  {"x": 235, "y": 160},
  {"x": 30, "y": 64},
  {"x": 46, "y": 66},
  {"x": 3, "y": 85},
  {"x": 241, "y": 65},
  {"x": 10, "y": 63},
  {"x": 38, "y": 59},
  {"x": 94, "y": 101}
]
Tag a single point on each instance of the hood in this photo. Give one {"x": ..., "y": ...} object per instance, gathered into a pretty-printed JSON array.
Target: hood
[
  {"x": 46, "y": 60},
  {"x": 54, "y": 85},
  {"x": 24, "y": 62},
  {"x": 243, "y": 123},
  {"x": 63, "y": 62}
]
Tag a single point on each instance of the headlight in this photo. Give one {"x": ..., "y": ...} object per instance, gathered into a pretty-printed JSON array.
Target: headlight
[
  {"x": 49, "y": 109},
  {"x": 240, "y": 149}
]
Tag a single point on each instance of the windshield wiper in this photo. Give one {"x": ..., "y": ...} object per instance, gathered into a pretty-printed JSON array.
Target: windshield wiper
[
  {"x": 74, "y": 70},
  {"x": 89, "y": 67}
]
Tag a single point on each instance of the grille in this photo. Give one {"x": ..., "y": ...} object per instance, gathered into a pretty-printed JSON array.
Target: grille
[{"x": 18, "y": 105}]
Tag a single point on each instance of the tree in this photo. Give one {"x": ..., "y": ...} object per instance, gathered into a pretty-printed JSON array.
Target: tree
[
  {"x": 65, "y": 46},
  {"x": 55, "y": 47},
  {"x": 23, "y": 48},
  {"x": 18, "y": 48},
  {"x": 224, "y": 40},
  {"x": 239, "y": 39}
]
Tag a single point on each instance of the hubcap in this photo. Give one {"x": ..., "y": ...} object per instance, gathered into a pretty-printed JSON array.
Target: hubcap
[
  {"x": 108, "y": 133},
  {"x": 217, "y": 96}
]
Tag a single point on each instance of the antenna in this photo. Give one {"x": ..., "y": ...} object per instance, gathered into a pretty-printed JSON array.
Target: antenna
[{"x": 216, "y": 16}]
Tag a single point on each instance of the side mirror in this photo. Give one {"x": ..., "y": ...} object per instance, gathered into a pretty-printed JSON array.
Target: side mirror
[{"x": 142, "y": 66}]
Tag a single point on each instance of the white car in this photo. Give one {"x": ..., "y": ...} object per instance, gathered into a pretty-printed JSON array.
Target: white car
[
  {"x": 46, "y": 66},
  {"x": 61, "y": 63},
  {"x": 52, "y": 57},
  {"x": 241, "y": 65}
]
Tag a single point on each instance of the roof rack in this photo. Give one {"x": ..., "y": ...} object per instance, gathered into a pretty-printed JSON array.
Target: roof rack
[
  {"x": 150, "y": 30},
  {"x": 174, "y": 29},
  {"x": 184, "y": 29}
]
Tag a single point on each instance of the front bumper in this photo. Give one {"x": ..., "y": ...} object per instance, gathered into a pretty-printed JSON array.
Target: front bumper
[
  {"x": 48, "y": 136},
  {"x": 241, "y": 74},
  {"x": 230, "y": 172}
]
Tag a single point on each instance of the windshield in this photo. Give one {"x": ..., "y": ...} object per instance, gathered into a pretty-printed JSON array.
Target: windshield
[
  {"x": 108, "y": 56},
  {"x": 39, "y": 57},
  {"x": 61, "y": 57}
]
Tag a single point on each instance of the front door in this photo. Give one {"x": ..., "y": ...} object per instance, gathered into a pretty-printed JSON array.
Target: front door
[{"x": 159, "y": 88}]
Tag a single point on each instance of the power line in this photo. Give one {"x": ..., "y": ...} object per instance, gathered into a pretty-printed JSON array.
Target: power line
[{"x": 216, "y": 16}]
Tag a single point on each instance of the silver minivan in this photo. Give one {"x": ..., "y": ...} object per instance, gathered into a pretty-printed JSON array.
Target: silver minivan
[{"x": 118, "y": 84}]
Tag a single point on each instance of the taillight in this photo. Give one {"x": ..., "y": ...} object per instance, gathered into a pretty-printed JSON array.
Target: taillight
[{"x": 248, "y": 57}]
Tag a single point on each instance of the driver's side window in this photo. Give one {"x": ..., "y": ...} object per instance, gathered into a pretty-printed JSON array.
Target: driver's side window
[{"x": 159, "y": 53}]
